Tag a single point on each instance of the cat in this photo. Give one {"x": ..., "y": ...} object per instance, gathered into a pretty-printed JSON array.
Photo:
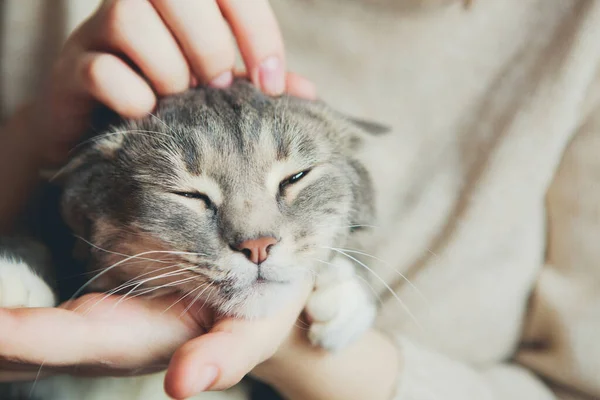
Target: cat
[{"x": 226, "y": 188}]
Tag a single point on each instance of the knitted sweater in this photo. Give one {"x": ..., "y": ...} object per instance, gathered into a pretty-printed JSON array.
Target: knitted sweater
[{"x": 487, "y": 188}]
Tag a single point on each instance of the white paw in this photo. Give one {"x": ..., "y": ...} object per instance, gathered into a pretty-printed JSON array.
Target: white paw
[
  {"x": 340, "y": 308},
  {"x": 21, "y": 287}
]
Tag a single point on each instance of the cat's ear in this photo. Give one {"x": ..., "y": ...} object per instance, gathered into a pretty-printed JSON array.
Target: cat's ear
[
  {"x": 373, "y": 128},
  {"x": 59, "y": 176},
  {"x": 72, "y": 182},
  {"x": 358, "y": 132}
]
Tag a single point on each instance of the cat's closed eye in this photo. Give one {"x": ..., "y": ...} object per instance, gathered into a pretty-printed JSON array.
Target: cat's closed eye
[
  {"x": 197, "y": 196},
  {"x": 292, "y": 179}
]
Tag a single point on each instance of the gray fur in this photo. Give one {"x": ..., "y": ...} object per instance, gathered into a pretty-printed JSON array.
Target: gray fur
[{"x": 119, "y": 191}]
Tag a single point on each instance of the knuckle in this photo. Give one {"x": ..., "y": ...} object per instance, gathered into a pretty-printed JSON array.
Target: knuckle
[
  {"x": 215, "y": 60},
  {"x": 120, "y": 13},
  {"x": 92, "y": 70},
  {"x": 172, "y": 80},
  {"x": 230, "y": 382}
]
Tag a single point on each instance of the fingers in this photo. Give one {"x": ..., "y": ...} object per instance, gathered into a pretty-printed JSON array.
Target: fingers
[
  {"x": 203, "y": 36},
  {"x": 259, "y": 39},
  {"x": 96, "y": 332},
  {"x": 20, "y": 339},
  {"x": 135, "y": 29},
  {"x": 130, "y": 51},
  {"x": 176, "y": 44},
  {"x": 301, "y": 87},
  {"x": 104, "y": 76},
  {"x": 296, "y": 85}
]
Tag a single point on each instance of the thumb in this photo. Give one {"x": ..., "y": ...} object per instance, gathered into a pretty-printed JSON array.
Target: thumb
[{"x": 222, "y": 357}]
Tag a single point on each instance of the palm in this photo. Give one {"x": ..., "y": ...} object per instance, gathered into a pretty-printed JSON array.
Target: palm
[{"x": 109, "y": 334}]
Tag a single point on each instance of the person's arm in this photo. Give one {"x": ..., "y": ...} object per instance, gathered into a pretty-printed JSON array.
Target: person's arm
[
  {"x": 368, "y": 369},
  {"x": 377, "y": 368},
  {"x": 19, "y": 166}
]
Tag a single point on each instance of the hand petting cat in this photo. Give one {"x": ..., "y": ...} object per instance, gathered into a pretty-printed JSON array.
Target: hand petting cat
[{"x": 129, "y": 52}]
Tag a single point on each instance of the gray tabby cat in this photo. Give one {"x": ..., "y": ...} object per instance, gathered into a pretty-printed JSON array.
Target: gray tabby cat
[{"x": 227, "y": 189}]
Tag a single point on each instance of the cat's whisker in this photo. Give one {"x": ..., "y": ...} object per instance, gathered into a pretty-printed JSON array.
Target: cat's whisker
[
  {"x": 179, "y": 271},
  {"x": 389, "y": 266},
  {"x": 93, "y": 271},
  {"x": 159, "y": 269},
  {"x": 195, "y": 299},
  {"x": 372, "y": 289},
  {"x": 131, "y": 282},
  {"x": 208, "y": 297},
  {"x": 97, "y": 276},
  {"x": 162, "y": 122},
  {"x": 392, "y": 292},
  {"x": 162, "y": 252},
  {"x": 37, "y": 378},
  {"x": 135, "y": 279},
  {"x": 145, "y": 291},
  {"x": 183, "y": 297},
  {"x": 116, "y": 253}
]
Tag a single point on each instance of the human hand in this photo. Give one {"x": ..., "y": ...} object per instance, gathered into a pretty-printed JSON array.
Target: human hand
[
  {"x": 129, "y": 52},
  {"x": 233, "y": 348},
  {"x": 115, "y": 337}
]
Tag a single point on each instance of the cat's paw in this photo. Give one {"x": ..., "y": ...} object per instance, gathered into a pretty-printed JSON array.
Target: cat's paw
[
  {"x": 340, "y": 309},
  {"x": 21, "y": 287}
]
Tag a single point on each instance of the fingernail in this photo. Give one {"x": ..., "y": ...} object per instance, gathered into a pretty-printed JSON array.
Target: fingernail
[
  {"x": 271, "y": 76},
  {"x": 222, "y": 80},
  {"x": 206, "y": 378}
]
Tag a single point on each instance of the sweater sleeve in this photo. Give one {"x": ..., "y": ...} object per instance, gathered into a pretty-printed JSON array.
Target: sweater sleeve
[{"x": 430, "y": 376}]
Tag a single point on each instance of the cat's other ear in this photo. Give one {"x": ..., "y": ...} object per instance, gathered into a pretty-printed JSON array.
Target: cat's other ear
[
  {"x": 359, "y": 132},
  {"x": 373, "y": 128}
]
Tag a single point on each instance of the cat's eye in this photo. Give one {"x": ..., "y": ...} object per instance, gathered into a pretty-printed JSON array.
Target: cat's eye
[
  {"x": 293, "y": 179},
  {"x": 196, "y": 196}
]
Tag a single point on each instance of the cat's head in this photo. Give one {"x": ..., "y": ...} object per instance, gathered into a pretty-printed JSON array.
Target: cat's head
[{"x": 227, "y": 195}]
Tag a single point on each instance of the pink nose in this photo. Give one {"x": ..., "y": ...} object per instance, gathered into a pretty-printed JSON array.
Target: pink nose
[{"x": 257, "y": 250}]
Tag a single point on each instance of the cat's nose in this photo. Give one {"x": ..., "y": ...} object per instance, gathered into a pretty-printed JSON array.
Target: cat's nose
[{"x": 256, "y": 250}]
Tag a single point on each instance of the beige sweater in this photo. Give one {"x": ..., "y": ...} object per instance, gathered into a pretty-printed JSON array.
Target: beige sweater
[{"x": 489, "y": 188}]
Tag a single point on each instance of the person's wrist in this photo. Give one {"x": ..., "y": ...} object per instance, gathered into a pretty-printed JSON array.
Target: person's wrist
[{"x": 295, "y": 342}]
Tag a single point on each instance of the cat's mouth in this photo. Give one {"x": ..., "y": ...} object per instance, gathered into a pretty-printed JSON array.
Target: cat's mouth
[
  {"x": 262, "y": 281},
  {"x": 263, "y": 278}
]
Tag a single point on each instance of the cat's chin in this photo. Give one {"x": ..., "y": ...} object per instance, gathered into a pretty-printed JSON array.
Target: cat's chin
[{"x": 259, "y": 300}]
